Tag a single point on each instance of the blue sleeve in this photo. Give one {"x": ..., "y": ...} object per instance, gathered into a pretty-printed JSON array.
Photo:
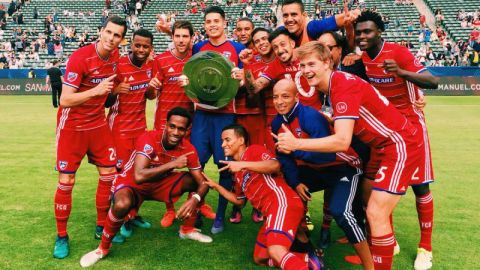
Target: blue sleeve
[
  {"x": 197, "y": 46},
  {"x": 276, "y": 124},
  {"x": 316, "y": 27},
  {"x": 289, "y": 169},
  {"x": 238, "y": 48},
  {"x": 315, "y": 125}
]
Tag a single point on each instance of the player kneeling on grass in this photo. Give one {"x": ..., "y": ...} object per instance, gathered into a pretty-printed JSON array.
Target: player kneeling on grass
[
  {"x": 151, "y": 175},
  {"x": 257, "y": 179}
]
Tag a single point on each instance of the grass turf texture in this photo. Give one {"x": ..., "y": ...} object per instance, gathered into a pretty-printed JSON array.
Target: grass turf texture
[{"x": 28, "y": 182}]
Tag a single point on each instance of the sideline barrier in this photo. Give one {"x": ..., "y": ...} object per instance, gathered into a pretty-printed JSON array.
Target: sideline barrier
[{"x": 24, "y": 87}]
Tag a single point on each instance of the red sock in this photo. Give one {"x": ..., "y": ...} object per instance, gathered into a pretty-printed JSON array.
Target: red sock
[
  {"x": 425, "y": 219},
  {"x": 327, "y": 216},
  {"x": 189, "y": 223},
  {"x": 272, "y": 263},
  {"x": 170, "y": 206},
  {"x": 382, "y": 251},
  {"x": 292, "y": 262},
  {"x": 103, "y": 196},
  {"x": 63, "y": 206},
  {"x": 112, "y": 226}
]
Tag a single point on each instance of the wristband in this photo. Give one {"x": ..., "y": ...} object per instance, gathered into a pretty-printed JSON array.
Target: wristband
[{"x": 197, "y": 197}]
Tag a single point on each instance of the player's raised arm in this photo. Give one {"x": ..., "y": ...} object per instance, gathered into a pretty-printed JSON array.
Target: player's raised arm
[
  {"x": 424, "y": 79},
  {"x": 270, "y": 166},
  {"x": 71, "y": 97}
]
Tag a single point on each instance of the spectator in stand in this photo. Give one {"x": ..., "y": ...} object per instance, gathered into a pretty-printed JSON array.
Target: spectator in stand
[
  {"x": 438, "y": 17},
  {"x": 427, "y": 34},
  {"x": 422, "y": 20},
  {"x": 32, "y": 74},
  {"x": 58, "y": 49},
  {"x": 55, "y": 79},
  {"x": 138, "y": 7},
  {"x": 410, "y": 28}
]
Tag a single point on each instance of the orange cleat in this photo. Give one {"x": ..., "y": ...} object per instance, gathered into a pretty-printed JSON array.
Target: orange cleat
[
  {"x": 167, "y": 219},
  {"x": 207, "y": 211},
  {"x": 353, "y": 259}
]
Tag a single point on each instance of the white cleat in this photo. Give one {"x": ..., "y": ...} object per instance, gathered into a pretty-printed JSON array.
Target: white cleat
[
  {"x": 92, "y": 257},
  {"x": 396, "y": 249},
  {"x": 424, "y": 259},
  {"x": 196, "y": 235}
]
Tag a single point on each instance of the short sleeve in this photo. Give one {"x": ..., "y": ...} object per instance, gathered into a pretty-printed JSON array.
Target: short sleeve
[
  {"x": 74, "y": 71},
  {"x": 407, "y": 61},
  {"x": 193, "y": 161},
  {"x": 146, "y": 145},
  {"x": 346, "y": 95}
]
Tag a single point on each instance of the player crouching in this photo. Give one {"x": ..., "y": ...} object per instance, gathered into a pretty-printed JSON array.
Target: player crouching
[
  {"x": 257, "y": 179},
  {"x": 151, "y": 175}
]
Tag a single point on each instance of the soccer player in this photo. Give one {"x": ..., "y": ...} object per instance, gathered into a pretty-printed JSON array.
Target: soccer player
[
  {"x": 394, "y": 142},
  {"x": 207, "y": 121},
  {"x": 395, "y": 72},
  {"x": 308, "y": 172},
  {"x": 82, "y": 127},
  {"x": 168, "y": 66},
  {"x": 258, "y": 179},
  {"x": 243, "y": 31},
  {"x": 151, "y": 174},
  {"x": 126, "y": 117},
  {"x": 295, "y": 20}
]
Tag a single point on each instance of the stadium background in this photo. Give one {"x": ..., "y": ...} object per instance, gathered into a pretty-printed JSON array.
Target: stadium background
[{"x": 27, "y": 132}]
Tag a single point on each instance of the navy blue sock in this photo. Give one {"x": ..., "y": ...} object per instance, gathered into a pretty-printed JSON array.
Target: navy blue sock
[{"x": 226, "y": 182}]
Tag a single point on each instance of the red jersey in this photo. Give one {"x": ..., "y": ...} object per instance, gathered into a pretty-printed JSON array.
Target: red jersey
[
  {"x": 167, "y": 68},
  {"x": 150, "y": 145},
  {"x": 127, "y": 116},
  {"x": 229, "y": 49},
  {"x": 378, "y": 123},
  {"x": 257, "y": 68},
  {"x": 397, "y": 90},
  {"x": 308, "y": 95},
  {"x": 260, "y": 189},
  {"x": 85, "y": 70}
]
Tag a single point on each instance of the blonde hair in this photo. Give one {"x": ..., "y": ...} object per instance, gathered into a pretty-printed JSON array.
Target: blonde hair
[{"x": 314, "y": 47}]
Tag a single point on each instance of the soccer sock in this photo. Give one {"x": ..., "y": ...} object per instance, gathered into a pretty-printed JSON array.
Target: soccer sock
[
  {"x": 425, "y": 218},
  {"x": 112, "y": 225},
  {"x": 382, "y": 251},
  {"x": 327, "y": 216},
  {"x": 292, "y": 262},
  {"x": 226, "y": 182},
  {"x": 189, "y": 223},
  {"x": 103, "y": 196},
  {"x": 272, "y": 263},
  {"x": 170, "y": 206},
  {"x": 63, "y": 206}
]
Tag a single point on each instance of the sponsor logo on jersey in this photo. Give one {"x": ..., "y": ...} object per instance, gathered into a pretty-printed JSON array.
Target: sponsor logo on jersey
[
  {"x": 62, "y": 164},
  {"x": 138, "y": 86},
  {"x": 72, "y": 76},
  {"x": 173, "y": 79},
  {"x": 131, "y": 78},
  {"x": 171, "y": 69},
  {"x": 148, "y": 149},
  {"x": 341, "y": 107},
  {"x": 246, "y": 177},
  {"x": 227, "y": 54},
  {"x": 381, "y": 80},
  {"x": 97, "y": 80}
]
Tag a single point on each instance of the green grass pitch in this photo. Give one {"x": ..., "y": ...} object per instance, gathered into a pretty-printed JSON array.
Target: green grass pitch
[{"x": 28, "y": 182}]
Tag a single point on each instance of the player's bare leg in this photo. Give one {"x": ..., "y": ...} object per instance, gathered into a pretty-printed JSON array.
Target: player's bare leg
[
  {"x": 380, "y": 206},
  {"x": 62, "y": 209}
]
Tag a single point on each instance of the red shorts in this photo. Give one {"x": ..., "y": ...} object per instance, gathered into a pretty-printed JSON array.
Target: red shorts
[
  {"x": 72, "y": 146},
  {"x": 392, "y": 169},
  {"x": 167, "y": 189},
  {"x": 280, "y": 225},
  {"x": 255, "y": 125},
  {"x": 425, "y": 171},
  {"x": 125, "y": 146}
]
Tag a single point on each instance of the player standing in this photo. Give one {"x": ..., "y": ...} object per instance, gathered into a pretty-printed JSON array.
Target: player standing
[
  {"x": 127, "y": 118},
  {"x": 257, "y": 178},
  {"x": 82, "y": 127},
  {"x": 151, "y": 174},
  {"x": 361, "y": 110},
  {"x": 395, "y": 72}
]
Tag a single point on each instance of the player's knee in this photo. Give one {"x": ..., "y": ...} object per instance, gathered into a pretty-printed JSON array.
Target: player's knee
[
  {"x": 276, "y": 252},
  {"x": 374, "y": 215},
  {"x": 122, "y": 205},
  {"x": 421, "y": 190},
  {"x": 65, "y": 178}
]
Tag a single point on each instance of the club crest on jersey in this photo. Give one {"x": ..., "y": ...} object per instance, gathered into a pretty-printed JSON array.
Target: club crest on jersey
[
  {"x": 341, "y": 107},
  {"x": 114, "y": 67},
  {"x": 299, "y": 132},
  {"x": 119, "y": 163},
  {"x": 258, "y": 57},
  {"x": 149, "y": 73},
  {"x": 62, "y": 164},
  {"x": 72, "y": 76},
  {"x": 227, "y": 54},
  {"x": 148, "y": 149}
]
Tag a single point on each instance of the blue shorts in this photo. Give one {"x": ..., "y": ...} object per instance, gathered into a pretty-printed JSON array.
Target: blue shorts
[{"x": 207, "y": 134}]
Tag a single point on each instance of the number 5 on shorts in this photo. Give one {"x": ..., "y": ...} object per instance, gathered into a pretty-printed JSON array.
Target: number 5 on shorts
[{"x": 380, "y": 174}]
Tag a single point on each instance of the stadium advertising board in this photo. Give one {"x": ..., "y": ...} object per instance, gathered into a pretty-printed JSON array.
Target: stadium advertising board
[
  {"x": 24, "y": 87},
  {"x": 456, "y": 86}
]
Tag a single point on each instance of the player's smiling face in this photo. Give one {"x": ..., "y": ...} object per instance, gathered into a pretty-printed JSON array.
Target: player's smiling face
[
  {"x": 316, "y": 71},
  {"x": 182, "y": 40},
  {"x": 260, "y": 41},
  {"x": 283, "y": 47},
  {"x": 231, "y": 143},
  {"x": 141, "y": 47},
  {"x": 175, "y": 130},
  {"x": 293, "y": 18},
  {"x": 367, "y": 35},
  {"x": 284, "y": 97},
  {"x": 110, "y": 36},
  {"x": 214, "y": 25},
  {"x": 244, "y": 32}
]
